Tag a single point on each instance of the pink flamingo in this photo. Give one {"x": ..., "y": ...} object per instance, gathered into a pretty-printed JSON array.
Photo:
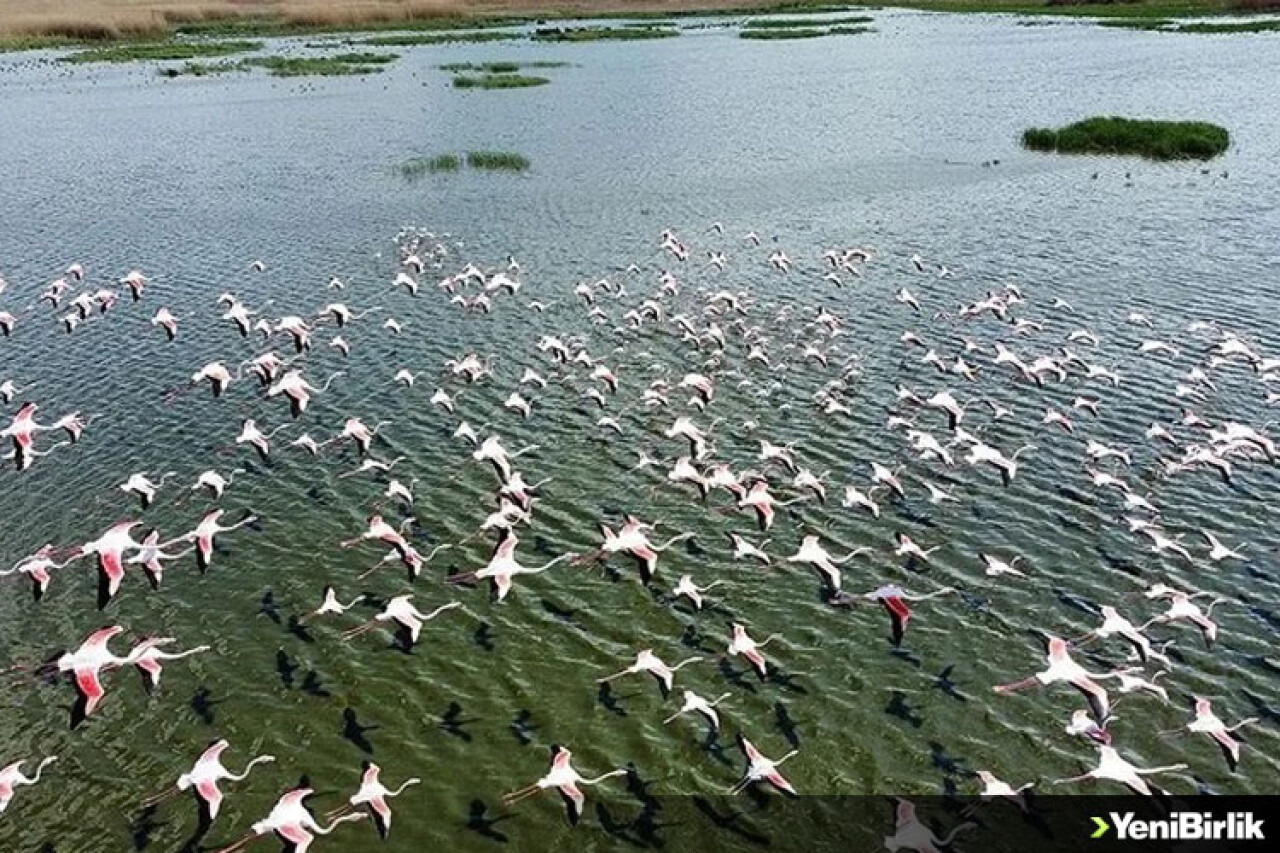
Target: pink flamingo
[
  {"x": 565, "y": 779},
  {"x": 292, "y": 822}
]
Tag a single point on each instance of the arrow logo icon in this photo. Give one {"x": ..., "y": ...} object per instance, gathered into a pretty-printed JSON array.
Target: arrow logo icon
[{"x": 1102, "y": 825}]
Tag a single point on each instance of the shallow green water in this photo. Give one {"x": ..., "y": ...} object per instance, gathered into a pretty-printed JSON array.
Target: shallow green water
[{"x": 876, "y": 141}]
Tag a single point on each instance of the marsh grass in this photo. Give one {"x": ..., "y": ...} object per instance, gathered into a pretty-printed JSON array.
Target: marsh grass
[
  {"x": 204, "y": 69},
  {"x": 581, "y": 34},
  {"x": 498, "y": 67},
  {"x": 1211, "y": 28},
  {"x": 416, "y": 167},
  {"x": 416, "y": 39},
  {"x": 804, "y": 23},
  {"x": 773, "y": 35},
  {"x": 849, "y": 31},
  {"x": 342, "y": 65},
  {"x": 1156, "y": 140},
  {"x": 498, "y": 81},
  {"x": 163, "y": 51},
  {"x": 1137, "y": 23},
  {"x": 497, "y": 161}
]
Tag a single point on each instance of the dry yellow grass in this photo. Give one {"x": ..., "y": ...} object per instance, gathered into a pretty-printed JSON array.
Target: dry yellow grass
[{"x": 110, "y": 19}]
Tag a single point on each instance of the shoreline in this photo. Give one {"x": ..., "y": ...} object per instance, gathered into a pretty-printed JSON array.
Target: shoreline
[{"x": 121, "y": 21}]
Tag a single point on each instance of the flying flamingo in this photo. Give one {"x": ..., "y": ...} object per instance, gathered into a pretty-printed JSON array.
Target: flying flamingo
[
  {"x": 373, "y": 795},
  {"x": 1063, "y": 669},
  {"x": 110, "y": 548},
  {"x": 298, "y": 390},
  {"x": 209, "y": 528},
  {"x": 292, "y": 822},
  {"x": 503, "y": 566},
  {"x": 563, "y": 778},
  {"x": 761, "y": 769},
  {"x": 686, "y": 587},
  {"x": 204, "y": 777},
  {"x": 11, "y": 776},
  {"x": 331, "y": 604},
  {"x": 1208, "y": 722},
  {"x": 37, "y": 566},
  {"x": 144, "y": 488},
  {"x": 742, "y": 644},
  {"x": 1114, "y": 768},
  {"x": 895, "y": 600},
  {"x": 148, "y": 657},
  {"x": 743, "y": 549},
  {"x": 401, "y": 611},
  {"x": 378, "y": 529},
  {"x": 252, "y": 435},
  {"x": 647, "y": 661},
  {"x": 87, "y": 663},
  {"x": 632, "y": 539},
  {"x": 151, "y": 556},
  {"x": 812, "y": 553},
  {"x": 910, "y": 833},
  {"x": 694, "y": 702},
  {"x": 215, "y": 482}
]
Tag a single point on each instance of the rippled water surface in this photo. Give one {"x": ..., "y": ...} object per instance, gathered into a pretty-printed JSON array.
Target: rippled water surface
[{"x": 904, "y": 140}]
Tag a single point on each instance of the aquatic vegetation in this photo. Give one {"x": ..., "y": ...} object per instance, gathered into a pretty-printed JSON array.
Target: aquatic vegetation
[
  {"x": 804, "y": 23},
  {"x": 417, "y": 39},
  {"x": 1212, "y": 27},
  {"x": 418, "y": 166},
  {"x": 1158, "y": 140},
  {"x": 499, "y": 67},
  {"x": 160, "y": 51},
  {"x": 770, "y": 35},
  {"x": 204, "y": 69},
  {"x": 577, "y": 34},
  {"x": 1137, "y": 23},
  {"x": 340, "y": 65},
  {"x": 849, "y": 31},
  {"x": 498, "y": 81},
  {"x": 497, "y": 160}
]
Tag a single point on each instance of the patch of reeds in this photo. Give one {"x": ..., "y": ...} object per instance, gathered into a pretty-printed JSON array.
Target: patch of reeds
[
  {"x": 416, "y": 39},
  {"x": 804, "y": 23},
  {"x": 498, "y": 81},
  {"x": 1157, "y": 140},
  {"x": 159, "y": 51},
  {"x": 583, "y": 34},
  {"x": 497, "y": 161}
]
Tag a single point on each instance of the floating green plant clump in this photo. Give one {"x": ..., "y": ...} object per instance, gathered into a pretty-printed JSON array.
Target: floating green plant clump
[
  {"x": 770, "y": 35},
  {"x": 499, "y": 67},
  {"x": 415, "y": 39},
  {"x": 340, "y": 65},
  {"x": 804, "y": 23},
  {"x": 417, "y": 167},
  {"x": 574, "y": 34},
  {"x": 1157, "y": 140},
  {"x": 498, "y": 81},
  {"x": 497, "y": 160},
  {"x": 161, "y": 51}
]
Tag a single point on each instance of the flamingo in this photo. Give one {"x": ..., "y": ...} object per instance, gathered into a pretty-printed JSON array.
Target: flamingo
[
  {"x": 204, "y": 777},
  {"x": 647, "y": 661},
  {"x": 632, "y": 539},
  {"x": 298, "y": 390},
  {"x": 1207, "y": 722},
  {"x": 151, "y": 556},
  {"x": 37, "y": 567},
  {"x": 762, "y": 769},
  {"x": 742, "y": 644},
  {"x": 140, "y": 485},
  {"x": 1114, "y": 768},
  {"x": 250, "y": 434},
  {"x": 292, "y": 822},
  {"x": 1063, "y": 669},
  {"x": 87, "y": 663},
  {"x": 565, "y": 779},
  {"x": 401, "y": 611},
  {"x": 993, "y": 787},
  {"x": 742, "y": 549},
  {"x": 110, "y": 548},
  {"x": 149, "y": 658},
  {"x": 503, "y": 566},
  {"x": 209, "y": 528},
  {"x": 686, "y": 587},
  {"x": 812, "y": 553},
  {"x": 910, "y": 833},
  {"x": 11, "y": 777},
  {"x": 693, "y": 702},
  {"x": 374, "y": 795}
]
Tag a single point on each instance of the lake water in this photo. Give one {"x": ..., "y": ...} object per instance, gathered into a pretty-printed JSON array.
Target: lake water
[{"x": 905, "y": 140}]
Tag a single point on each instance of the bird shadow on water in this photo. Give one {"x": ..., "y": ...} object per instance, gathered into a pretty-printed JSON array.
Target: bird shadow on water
[
  {"x": 452, "y": 722},
  {"x": 561, "y": 613},
  {"x": 479, "y": 822},
  {"x": 605, "y": 696},
  {"x": 731, "y": 821},
  {"x": 269, "y": 608},
  {"x": 640, "y": 830},
  {"x": 786, "y": 725},
  {"x": 483, "y": 637},
  {"x": 714, "y": 747},
  {"x": 143, "y": 827},
  {"x": 736, "y": 677},
  {"x": 202, "y": 704},
  {"x": 353, "y": 731},
  {"x": 285, "y": 668},
  {"x": 299, "y": 630},
  {"x": 900, "y": 708},
  {"x": 522, "y": 727}
]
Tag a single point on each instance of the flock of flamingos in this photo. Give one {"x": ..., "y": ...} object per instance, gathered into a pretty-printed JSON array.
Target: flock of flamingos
[{"x": 960, "y": 352}]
